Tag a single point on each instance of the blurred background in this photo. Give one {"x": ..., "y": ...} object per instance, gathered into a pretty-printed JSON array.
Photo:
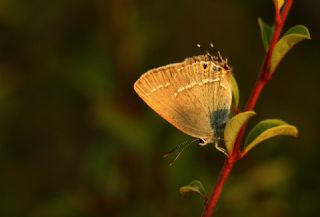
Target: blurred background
[{"x": 75, "y": 140}]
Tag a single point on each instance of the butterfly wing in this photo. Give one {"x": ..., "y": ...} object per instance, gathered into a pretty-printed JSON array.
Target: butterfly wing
[{"x": 186, "y": 94}]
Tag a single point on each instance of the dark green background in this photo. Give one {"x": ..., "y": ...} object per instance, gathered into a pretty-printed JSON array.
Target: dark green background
[{"x": 75, "y": 140}]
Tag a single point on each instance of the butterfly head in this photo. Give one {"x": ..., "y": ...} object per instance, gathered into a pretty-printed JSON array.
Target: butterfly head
[{"x": 215, "y": 64}]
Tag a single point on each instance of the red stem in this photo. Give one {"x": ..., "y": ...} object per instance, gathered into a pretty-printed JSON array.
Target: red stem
[
  {"x": 227, "y": 167},
  {"x": 264, "y": 76}
]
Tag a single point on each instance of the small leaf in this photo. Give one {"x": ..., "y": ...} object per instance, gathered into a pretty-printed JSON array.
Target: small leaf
[
  {"x": 233, "y": 127},
  {"x": 289, "y": 39},
  {"x": 278, "y": 4},
  {"x": 235, "y": 91},
  {"x": 266, "y": 33},
  {"x": 195, "y": 187},
  {"x": 267, "y": 129},
  {"x": 262, "y": 126},
  {"x": 298, "y": 29}
]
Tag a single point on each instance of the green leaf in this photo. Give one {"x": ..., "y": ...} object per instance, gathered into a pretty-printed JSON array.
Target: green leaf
[
  {"x": 278, "y": 4},
  {"x": 235, "y": 91},
  {"x": 298, "y": 29},
  {"x": 195, "y": 187},
  {"x": 266, "y": 33},
  {"x": 268, "y": 129},
  {"x": 233, "y": 127},
  {"x": 289, "y": 39}
]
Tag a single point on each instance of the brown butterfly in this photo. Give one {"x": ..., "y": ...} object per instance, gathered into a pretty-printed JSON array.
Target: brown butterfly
[{"x": 194, "y": 95}]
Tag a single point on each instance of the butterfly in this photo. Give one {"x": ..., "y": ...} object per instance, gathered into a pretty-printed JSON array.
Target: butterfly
[{"x": 194, "y": 95}]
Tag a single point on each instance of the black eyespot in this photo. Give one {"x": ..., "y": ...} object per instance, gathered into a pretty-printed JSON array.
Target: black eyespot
[{"x": 204, "y": 66}]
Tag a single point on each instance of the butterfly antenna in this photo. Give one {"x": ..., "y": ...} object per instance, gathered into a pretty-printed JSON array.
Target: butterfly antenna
[
  {"x": 199, "y": 46},
  {"x": 180, "y": 146},
  {"x": 217, "y": 53},
  {"x": 203, "y": 51},
  {"x": 165, "y": 155},
  {"x": 212, "y": 47},
  {"x": 179, "y": 149},
  {"x": 183, "y": 148},
  {"x": 220, "y": 57}
]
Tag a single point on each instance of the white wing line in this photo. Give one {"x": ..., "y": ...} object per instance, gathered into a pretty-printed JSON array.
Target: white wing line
[
  {"x": 158, "y": 88},
  {"x": 203, "y": 82}
]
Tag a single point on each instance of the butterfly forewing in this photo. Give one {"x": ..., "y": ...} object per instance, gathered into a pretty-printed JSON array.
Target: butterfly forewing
[{"x": 186, "y": 94}]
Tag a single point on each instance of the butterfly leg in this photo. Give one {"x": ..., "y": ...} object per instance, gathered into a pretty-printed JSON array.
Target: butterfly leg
[{"x": 216, "y": 145}]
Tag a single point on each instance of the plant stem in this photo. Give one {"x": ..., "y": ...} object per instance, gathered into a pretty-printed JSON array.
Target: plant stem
[
  {"x": 263, "y": 77},
  {"x": 265, "y": 73},
  {"x": 227, "y": 167}
]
